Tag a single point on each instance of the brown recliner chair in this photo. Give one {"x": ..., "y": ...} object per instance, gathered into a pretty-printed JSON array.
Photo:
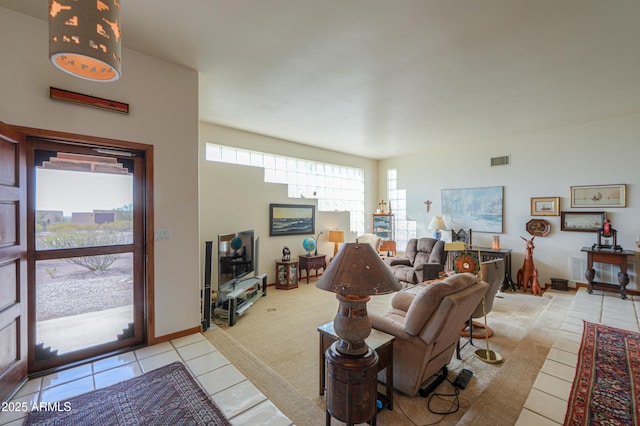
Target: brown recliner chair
[
  {"x": 426, "y": 321},
  {"x": 423, "y": 260}
]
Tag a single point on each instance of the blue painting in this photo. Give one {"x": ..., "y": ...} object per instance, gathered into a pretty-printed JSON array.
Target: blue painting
[
  {"x": 291, "y": 219},
  {"x": 479, "y": 209}
]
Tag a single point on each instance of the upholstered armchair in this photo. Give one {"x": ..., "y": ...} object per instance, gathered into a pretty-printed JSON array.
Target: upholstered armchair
[
  {"x": 423, "y": 260},
  {"x": 426, "y": 321},
  {"x": 372, "y": 239}
]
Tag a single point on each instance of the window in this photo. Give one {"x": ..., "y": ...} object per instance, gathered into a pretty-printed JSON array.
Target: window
[
  {"x": 337, "y": 188},
  {"x": 405, "y": 229}
]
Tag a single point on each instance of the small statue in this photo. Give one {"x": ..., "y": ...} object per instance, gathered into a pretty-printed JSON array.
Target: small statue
[
  {"x": 535, "y": 284},
  {"x": 286, "y": 254},
  {"x": 525, "y": 274}
]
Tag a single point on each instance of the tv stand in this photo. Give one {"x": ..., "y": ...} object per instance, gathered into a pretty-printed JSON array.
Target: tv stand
[{"x": 240, "y": 299}]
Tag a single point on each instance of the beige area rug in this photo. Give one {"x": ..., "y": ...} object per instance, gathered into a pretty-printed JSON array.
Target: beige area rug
[{"x": 275, "y": 344}]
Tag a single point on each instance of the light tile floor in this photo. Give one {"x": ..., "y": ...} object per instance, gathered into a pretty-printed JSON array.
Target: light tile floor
[
  {"x": 547, "y": 401},
  {"x": 239, "y": 400}
]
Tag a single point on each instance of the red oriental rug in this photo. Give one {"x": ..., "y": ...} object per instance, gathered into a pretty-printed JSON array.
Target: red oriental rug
[
  {"x": 606, "y": 387},
  {"x": 166, "y": 396}
]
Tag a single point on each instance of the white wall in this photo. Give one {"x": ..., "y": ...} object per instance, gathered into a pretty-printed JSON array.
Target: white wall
[
  {"x": 163, "y": 102},
  {"x": 234, "y": 198},
  {"x": 543, "y": 164}
]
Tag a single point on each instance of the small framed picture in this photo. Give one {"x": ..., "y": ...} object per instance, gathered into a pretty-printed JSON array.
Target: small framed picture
[
  {"x": 582, "y": 221},
  {"x": 538, "y": 227},
  {"x": 599, "y": 196},
  {"x": 545, "y": 206}
]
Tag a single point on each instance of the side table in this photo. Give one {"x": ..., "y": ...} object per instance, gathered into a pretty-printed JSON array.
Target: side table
[
  {"x": 286, "y": 274},
  {"x": 380, "y": 342},
  {"x": 310, "y": 263},
  {"x": 612, "y": 257}
]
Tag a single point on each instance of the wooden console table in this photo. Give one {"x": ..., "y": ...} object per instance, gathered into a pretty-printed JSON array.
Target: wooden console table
[
  {"x": 310, "y": 263},
  {"x": 379, "y": 341},
  {"x": 611, "y": 257}
]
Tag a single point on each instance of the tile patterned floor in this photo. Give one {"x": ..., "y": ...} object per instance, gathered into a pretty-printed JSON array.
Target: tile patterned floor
[
  {"x": 547, "y": 401},
  {"x": 240, "y": 401}
]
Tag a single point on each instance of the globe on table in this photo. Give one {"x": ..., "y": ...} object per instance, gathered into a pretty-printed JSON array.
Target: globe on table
[{"x": 309, "y": 244}]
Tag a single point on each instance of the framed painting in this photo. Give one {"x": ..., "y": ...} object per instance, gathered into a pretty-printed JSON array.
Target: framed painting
[
  {"x": 479, "y": 209},
  {"x": 291, "y": 219},
  {"x": 582, "y": 221},
  {"x": 545, "y": 206},
  {"x": 599, "y": 196}
]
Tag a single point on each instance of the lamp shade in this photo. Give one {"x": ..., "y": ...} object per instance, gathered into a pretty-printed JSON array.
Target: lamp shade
[
  {"x": 437, "y": 223},
  {"x": 357, "y": 270},
  {"x": 336, "y": 236},
  {"x": 84, "y": 38}
]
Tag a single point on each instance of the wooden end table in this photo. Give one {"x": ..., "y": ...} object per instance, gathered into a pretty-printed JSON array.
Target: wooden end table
[
  {"x": 613, "y": 257},
  {"x": 310, "y": 263},
  {"x": 379, "y": 341}
]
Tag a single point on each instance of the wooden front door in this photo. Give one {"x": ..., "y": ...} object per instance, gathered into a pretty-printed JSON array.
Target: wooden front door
[{"x": 13, "y": 260}]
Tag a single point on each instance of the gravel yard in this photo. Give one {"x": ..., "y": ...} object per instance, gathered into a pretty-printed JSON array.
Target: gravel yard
[{"x": 65, "y": 289}]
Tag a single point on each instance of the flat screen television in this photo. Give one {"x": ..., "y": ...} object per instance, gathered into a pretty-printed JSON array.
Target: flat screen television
[{"x": 236, "y": 260}]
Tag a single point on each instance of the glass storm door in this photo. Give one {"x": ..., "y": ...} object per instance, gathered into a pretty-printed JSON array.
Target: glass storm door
[{"x": 86, "y": 273}]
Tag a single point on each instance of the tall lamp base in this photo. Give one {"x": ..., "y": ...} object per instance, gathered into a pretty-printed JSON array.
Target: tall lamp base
[
  {"x": 351, "y": 386},
  {"x": 489, "y": 356}
]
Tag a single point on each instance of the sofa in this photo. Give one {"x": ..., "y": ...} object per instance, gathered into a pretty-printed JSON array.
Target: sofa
[
  {"x": 426, "y": 321},
  {"x": 423, "y": 259}
]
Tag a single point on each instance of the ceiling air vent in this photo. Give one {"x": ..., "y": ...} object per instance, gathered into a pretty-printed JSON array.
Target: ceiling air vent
[{"x": 501, "y": 161}]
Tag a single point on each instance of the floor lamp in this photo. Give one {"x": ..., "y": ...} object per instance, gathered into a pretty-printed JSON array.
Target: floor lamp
[{"x": 469, "y": 264}]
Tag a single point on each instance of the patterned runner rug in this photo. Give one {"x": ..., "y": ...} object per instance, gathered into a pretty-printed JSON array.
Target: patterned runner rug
[
  {"x": 166, "y": 396},
  {"x": 606, "y": 387}
]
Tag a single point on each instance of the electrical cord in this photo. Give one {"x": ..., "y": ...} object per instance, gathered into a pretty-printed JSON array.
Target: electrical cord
[{"x": 457, "y": 402}]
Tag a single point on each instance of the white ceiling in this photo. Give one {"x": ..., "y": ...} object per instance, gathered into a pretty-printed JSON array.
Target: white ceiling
[{"x": 380, "y": 78}]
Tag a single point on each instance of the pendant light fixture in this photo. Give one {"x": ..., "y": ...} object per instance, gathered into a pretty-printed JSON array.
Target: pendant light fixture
[{"x": 84, "y": 38}]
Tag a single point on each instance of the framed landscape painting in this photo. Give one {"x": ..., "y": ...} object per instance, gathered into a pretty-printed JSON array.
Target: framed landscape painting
[
  {"x": 581, "y": 221},
  {"x": 479, "y": 209},
  {"x": 545, "y": 206},
  {"x": 291, "y": 219},
  {"x": 599, "y": 196}
]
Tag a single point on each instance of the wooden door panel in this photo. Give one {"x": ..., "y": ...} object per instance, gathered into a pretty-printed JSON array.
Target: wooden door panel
[
  {"x": 9, "y": 288},
  {"x": 13, "y": 277},
  {"x": 9, "y": 211}
]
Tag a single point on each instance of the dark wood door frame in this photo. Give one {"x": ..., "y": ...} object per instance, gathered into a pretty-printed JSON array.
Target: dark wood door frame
[
  {"x": 13, "y": 261},
  {"x": 147, "y": 151}
]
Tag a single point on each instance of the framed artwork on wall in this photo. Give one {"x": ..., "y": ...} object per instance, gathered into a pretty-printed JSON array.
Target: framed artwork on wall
[
  {"x": 479, "y": 209},
  {"x": 545, "y": 206},
  {"x": 582, "y": 221},
  {"x": 291, "y": 219},
  {"x": 538, "y": 227},
  {"x": 599, "y": 196}
]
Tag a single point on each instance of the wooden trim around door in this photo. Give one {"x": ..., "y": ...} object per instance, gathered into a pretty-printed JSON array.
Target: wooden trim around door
[{"x": 147, "y": 150}]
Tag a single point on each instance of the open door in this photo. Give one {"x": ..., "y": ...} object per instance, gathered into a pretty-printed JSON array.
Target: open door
[{"x": 13, "y": 260}]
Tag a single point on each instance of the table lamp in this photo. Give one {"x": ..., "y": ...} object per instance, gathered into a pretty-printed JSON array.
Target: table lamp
[
  {"x": 355, "y": 273},
  {"x": 437, "y": 224},
  {"x": 336, "y": 237}
]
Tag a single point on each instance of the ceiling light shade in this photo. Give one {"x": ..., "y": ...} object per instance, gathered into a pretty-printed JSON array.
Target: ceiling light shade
[
  {"x": 84, "y": 38},
  {"x": 356, "y": 273}
]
